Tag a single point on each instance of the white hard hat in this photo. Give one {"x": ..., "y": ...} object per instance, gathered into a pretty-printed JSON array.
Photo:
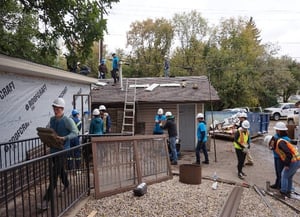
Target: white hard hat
[
  {"x": 280, "y": 126},
  {"x": 200, "y": 115},
  {"x": 59, "y": 102},
  {"x": 245, "y": 124},
  {"x": 96, "y": 111},
  {"x": 243, "y": 115},
  {"x": 168, "y": 114},
  {"x": 267, "y": 139},
  {"x": 160, "y": 111},
  {"x": 102, "y": 107}
]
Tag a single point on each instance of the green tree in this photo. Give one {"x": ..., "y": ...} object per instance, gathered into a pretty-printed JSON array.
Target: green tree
[
  {"x": 150, "y": 42},
  {"x": 191, "y": 31},
  {"x": 232, "y": 60},
  {"x": 78, "y": 23}
]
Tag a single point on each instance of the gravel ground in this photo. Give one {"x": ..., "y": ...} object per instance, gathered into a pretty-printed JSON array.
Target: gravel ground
[{"x": 173, "y": 198}]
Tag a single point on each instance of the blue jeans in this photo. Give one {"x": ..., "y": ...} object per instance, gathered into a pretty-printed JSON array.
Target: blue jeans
[
  {"x": 278, "y": 169},
  {"x": 287, "y": 176},
  {"x": 172, "y": 141},
  {"x": 201, "y": 146}
]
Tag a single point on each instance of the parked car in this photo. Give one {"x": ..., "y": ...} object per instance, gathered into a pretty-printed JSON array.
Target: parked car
[
  {"x": 281, "y": 110},
  {"x": 293, "y": 119}
]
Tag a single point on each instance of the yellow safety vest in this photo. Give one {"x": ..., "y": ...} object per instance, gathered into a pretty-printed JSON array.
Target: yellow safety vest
[
  {"x": 243, "y": 138},
  {"x": 291, "y": 147}
]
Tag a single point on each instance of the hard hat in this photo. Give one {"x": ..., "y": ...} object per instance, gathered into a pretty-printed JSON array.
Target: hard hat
[
  {"x": 96, "y": 111},
  {"x": 243, "y": 115},
  {"x": 59, "y": 102},
  {"x": 168, "y": 114},
  {"x": 102, "y": 107},
  {"x": 280, "y": 126},
  {"x": 78, "y": 63},
  {"x": 200, "y": 115},
  {"x": 245, "y": 124},
  {"x": 267, "y": 139},
  {"x": 160, "y": 111},
  {"x": 75, "y": 112}
]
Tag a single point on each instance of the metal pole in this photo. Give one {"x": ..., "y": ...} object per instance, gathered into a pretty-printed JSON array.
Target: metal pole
[
  {"x": 121, "y": 76},
  {"x": 212, "y": 118}
]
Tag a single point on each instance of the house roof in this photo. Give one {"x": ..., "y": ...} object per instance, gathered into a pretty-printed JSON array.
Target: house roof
[
  {"x": 172, "y": 89},
  {"x": 23, "y": 67}
]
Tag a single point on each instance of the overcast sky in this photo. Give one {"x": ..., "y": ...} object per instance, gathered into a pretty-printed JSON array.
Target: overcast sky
[{"x": 278, "y": 20}]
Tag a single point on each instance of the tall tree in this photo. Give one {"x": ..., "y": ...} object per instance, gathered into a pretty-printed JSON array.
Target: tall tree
[
  {"x": 150, "y": 42},
  {"x": 191, "y": 31},
  {"x": 236, "y": 49}
]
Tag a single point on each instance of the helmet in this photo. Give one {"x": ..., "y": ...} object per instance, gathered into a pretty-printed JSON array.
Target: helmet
[
  {"x": 267, "y": 139},
  {"x": 243, "y": 115},
  {"x": 200, "y": 115},
  {"x": 168, "y": 114},
  {"x": 102, "y": 107},
  {"x": 280, "y": 126},
  {"x": 96, "y": 111},
  {"x": 75, "y": 112},
  {"x": 160, "y": 111},
  {"x": 245, "y": 124},
  {"x": 59, "y": 102}
]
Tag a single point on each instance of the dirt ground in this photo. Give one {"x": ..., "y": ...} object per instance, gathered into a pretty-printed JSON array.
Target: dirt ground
[{"x": 223, "y": 161}]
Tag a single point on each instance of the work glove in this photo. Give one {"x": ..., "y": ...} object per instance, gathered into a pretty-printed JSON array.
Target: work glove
[{"x": 245, "y": 150}]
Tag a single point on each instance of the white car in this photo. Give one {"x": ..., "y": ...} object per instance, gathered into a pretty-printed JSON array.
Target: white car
[{"x": 281, "y": 110}]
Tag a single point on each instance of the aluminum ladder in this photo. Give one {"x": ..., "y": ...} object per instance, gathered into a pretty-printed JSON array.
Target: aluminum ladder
[{"x": 129, "y": 107}]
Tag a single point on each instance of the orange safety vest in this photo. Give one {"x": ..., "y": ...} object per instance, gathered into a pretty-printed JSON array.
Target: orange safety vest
[
  {"x": 292, "y": 149},
  {"x": 243, "y": 138}
]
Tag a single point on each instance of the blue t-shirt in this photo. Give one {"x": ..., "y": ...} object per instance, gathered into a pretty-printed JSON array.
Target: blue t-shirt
[
  {"x": 200, "y": 130},
  {"x": 158, "y": 119}
]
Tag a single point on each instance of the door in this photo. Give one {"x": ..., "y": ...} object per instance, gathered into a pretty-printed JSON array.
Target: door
[{"x": 187, "y": 127}]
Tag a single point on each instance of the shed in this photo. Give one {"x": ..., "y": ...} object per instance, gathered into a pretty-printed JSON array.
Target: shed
[{"x": 183, "y": 96}]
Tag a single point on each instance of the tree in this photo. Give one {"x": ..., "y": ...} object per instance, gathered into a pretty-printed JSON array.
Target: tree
[
  {"x": 78, "y": 23},
  {"x": 233, "y": 58},
  {"x": 191, "y": 30},
  {"x": 150, "y": 41},
  {"x": 20, "y": 35}
]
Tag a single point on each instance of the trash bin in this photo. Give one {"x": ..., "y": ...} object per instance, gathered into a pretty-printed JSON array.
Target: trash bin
[{"x": 190, "y": 174}]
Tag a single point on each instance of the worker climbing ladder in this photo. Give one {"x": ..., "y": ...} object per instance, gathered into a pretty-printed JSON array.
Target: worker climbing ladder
[{"x": 129, "y": 107}]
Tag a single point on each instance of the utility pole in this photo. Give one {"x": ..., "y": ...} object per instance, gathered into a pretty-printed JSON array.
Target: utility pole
[{"x": 101, "y": 40}]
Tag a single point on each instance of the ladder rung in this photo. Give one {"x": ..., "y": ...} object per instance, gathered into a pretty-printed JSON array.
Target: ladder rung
[
  {"x": 128, "y": 124},
  {"x": 128, "y": 116},
  {"x": 129, "y": 110},
  {"x": 130, "y": 103}
]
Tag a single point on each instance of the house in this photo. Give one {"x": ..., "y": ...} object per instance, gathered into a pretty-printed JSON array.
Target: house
[
  {"x": 183, "y": 96},
  {"x": 27, "y": 91}
]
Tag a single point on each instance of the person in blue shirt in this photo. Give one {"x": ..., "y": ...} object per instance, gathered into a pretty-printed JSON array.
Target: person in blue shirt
[
  {"x": 115, "y": 68},
  {"x": 281, "y": 132},
  {"x": 66, "y": 130},
  {"x": 159, "y": 118},
  {"x": 202, "y": 139},
  {"x": 75, "y": 155},
  {"x": 96, "y": 126}
]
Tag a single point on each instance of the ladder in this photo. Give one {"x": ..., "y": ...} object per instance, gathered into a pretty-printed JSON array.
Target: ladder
[{"x": 129, "y": 107}]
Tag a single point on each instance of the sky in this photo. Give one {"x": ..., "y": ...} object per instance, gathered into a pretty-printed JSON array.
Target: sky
[{"x": 277, "y": 20}]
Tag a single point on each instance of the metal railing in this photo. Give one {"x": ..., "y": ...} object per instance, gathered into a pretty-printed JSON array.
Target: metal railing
[{"x": 23, "y": 185}]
